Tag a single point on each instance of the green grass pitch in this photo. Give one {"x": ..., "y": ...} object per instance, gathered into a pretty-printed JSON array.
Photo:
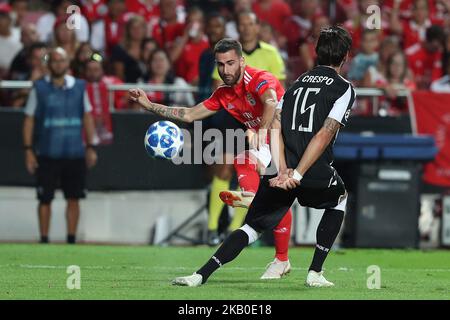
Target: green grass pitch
[{"x": 33, "y": 271}]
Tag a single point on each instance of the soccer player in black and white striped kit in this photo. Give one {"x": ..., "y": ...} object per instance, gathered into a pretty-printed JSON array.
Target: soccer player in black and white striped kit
[{"x": 308, "y": 119}]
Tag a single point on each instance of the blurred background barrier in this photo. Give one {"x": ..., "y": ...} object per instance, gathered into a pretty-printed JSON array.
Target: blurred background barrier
[{"x": 379, "y": 157}]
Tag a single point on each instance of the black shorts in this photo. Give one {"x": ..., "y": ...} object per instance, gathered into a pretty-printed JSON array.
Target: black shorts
[
  {"x": 222, "y": 121},
  {"x": 271, "y": 204},
  {"x": 67, "y": 174}
]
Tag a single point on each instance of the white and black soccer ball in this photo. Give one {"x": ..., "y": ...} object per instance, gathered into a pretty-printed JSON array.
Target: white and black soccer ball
[{"x": 163, "y": 139}]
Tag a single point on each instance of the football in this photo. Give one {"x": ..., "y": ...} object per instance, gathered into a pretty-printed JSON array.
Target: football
[{"x": 163, "y": 139}]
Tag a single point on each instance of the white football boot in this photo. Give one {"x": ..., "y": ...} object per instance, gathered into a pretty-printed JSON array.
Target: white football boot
[
  {"x": 241, "y": 199},
  {"x": 276, "y": 269},
  {"x": 316, "y": 279},
  {"x": 194, "y": 280}
]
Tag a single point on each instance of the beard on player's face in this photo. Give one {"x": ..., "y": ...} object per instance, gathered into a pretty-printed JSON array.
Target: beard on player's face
[{"x": 231, "y": 79}]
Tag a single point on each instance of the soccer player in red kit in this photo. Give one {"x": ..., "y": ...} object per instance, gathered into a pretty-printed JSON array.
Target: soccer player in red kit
[{"x": 251, "y": 96}]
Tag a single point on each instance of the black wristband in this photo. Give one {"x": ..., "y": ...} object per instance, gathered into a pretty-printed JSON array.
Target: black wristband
[
  {"x": 90, "y": 146},
  {"x": 28, "y": 147}
]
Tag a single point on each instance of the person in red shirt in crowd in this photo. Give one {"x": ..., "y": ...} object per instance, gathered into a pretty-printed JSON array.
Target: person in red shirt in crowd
[
  {"x": 188, "y": 48},
  {"x": 357, "y": 25},
  {"x": 297, "y": 27},
  {"x": 94, "y": 10},
  {"x": 425, "y": 59},
  {"x": 148, "y": 9},
  {"x": 251, "y": 96},
  {"x": 97, "y": 88},
  {"x": 275, "y": 12},
  {"x": 412, "y": 30},
  {"x": 438, "y": 9},
  {"x": 168, "y": 28},
  {"x": 108, "y": 32}
]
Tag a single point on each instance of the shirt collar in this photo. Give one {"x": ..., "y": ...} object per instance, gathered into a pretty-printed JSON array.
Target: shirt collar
[
  {"x": 69, "y": 81},
  {"x": 258, "y": 46}
]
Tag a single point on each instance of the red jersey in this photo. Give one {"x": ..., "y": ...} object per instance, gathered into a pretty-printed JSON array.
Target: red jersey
[
  {"x": 275, "y": 15},
  {"x": 413, "y": 33},
  {"x": 187, "y": 65},
  {"x": 165, "y": 34},
  {"x": 141, "y": 7},
  {"x": 425, "y": 66},
  {"x": 243, "y": 101}
]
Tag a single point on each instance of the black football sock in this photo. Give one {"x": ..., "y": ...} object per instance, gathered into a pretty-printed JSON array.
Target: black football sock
[
  {"x": 228, "y": 251},
  {"x": 71, "y": 239},
  {"x": 327, "y": 231},
  {"x": 44, "y": 239}
]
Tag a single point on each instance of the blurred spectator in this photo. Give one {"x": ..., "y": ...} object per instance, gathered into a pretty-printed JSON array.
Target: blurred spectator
[
  {"x": 10, "y": 43},
  {"x": 148, "y": 9},
  {"x": 106, "y": 33},
  {"x": 65, "y": 38},
  {"x": 425, "y": 59},
  {"x": 59, "y": 8},
  {"x": 358, "y": 24},
  {"x": 160, "y": 72},
  {"x": 396, "y": 78},
  {"x": 187, "y": 49},
  {"x": 58, "y": 108},
  {"x": 36, "y": 69},
  {"x": 442, "y": 85},
  {"x": 367, "y": 57},
  {"x": 168, "y": 28},
  {"x": 97, "y": 89},
  {"x": 126, "y": 55},
  {"x": 297, "y": 28},
  {"x": 19, "y": 12},
  {"x": 257, "y": 54},
  {"x": 231, "y": 26},
  {"x": 307, "y": 59},
  {"x": 78, "y": 64},
  {"x": 388, "y": 47},
  {"x": 19, "y": 69},
  {"x": 94, "y": 10},
  {"x": 147, "y": 47},
  {"x": 438, "y": 9},
  {"x": 215, "y": 30},
  {"x": 274, "y": 12},
  {"x": 413, "y": 30},
  {"x": 267, "y": 35}
]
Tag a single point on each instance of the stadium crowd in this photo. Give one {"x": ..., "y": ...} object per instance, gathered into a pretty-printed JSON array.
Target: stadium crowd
[{"x": 166, "y": 41}]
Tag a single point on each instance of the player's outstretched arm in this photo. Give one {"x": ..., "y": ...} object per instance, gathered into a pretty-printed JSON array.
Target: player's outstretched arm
[
  {"x": 174, "y": 113},
  {"x": 313, "y": 151}
]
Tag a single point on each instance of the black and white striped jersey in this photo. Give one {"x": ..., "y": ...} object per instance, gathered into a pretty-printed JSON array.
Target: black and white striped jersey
[{"x": 315, "y": 96}]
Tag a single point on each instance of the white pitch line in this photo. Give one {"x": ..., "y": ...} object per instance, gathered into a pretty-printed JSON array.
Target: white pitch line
[{"x": 342, "y": 269}]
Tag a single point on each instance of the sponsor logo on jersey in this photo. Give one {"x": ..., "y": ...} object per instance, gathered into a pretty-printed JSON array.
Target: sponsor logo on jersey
[
  {"x": 259, "y": 86},
  {"x": 250, "y": 99},
  {"x": 230, "y": 106}
]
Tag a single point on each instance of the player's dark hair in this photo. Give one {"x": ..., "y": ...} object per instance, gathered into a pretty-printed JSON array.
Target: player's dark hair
[
  {"x": 333, "y": 45},
  {"x": 227, "y": 44}
]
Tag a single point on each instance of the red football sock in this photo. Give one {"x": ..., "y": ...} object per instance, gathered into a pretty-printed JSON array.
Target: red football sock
[
  {"x": 282, "y": 235},
  {"x": 247, "y": 174}
]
